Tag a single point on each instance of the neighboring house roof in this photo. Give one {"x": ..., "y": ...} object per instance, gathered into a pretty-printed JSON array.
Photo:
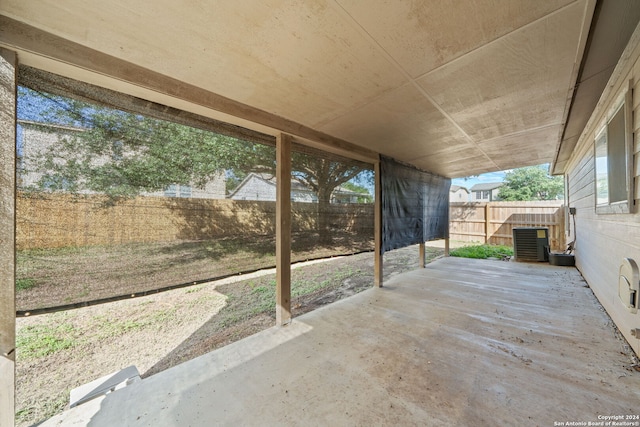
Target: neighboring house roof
[
  {"x": 269, "y": 179},
  {"x": 487, "y": 186},
  {"x": 455, "y": 188},
  {"x": 295, "y": 185}
]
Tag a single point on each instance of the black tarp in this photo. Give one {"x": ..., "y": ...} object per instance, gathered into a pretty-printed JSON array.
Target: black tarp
[{"x": 415, "y": 205}]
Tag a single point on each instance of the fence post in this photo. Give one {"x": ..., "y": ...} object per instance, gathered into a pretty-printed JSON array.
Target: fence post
[
  {"x": 487, "y": 223},
  {"x": 561, "y": 221}
]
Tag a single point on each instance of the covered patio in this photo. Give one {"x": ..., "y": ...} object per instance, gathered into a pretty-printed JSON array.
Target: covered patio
[
  {"x": 452, "y": 89},
  {"x": 460, "y": 342}
]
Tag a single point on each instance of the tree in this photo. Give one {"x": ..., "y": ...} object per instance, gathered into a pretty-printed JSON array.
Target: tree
[
  {"x": 531, "y": 183},
  {"x": 323, "y": 176},
  {"x": 356, "y": 188},
  {"x": 121, "y": 154}
]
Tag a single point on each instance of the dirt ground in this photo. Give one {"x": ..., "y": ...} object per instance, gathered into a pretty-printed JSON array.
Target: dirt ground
[
  {"x": 66, "y": 276},
  {"x": 60, "y": 351}
]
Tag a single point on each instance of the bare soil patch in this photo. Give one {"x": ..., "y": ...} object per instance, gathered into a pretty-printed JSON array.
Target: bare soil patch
[
  {"x": 57, "y": 277},
  {"x": 60, "y": 351}
]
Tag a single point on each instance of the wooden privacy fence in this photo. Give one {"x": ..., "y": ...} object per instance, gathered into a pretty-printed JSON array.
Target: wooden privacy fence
[
  {"x": 59, "y": 220},
  {"x": 493, "y": 222}
]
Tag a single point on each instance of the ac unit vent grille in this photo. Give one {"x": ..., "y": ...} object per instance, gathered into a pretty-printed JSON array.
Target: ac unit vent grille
[{"x": 531, "y": 244}]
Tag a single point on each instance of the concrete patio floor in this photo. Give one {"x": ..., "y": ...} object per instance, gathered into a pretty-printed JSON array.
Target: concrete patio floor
[{"x": 461, "y": 342}]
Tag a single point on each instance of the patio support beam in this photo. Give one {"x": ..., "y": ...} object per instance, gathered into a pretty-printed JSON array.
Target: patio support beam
[
  {"x": 283, "y": 229},
  {"x": 446, "y": 246},
  {"x": 422, "y": 255},
  {"x": 8, "y": 67},
  {"x": 377, "y": 227}
]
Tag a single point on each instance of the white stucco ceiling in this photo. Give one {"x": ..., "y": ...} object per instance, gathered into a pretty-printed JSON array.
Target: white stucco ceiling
[{"x": 453, "y": 87}]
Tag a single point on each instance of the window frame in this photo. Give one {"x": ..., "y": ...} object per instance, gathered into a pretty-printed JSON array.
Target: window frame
[{"x": 624, "y": 102}]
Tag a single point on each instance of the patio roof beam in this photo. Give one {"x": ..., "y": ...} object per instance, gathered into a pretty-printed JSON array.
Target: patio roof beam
[{"x": 37, "y": 48}]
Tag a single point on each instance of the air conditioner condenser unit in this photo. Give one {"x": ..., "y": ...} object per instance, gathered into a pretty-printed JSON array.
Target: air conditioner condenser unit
[{"x": 531, "y": 244}]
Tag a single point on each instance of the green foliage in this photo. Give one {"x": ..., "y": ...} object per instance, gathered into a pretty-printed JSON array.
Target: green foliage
[
  {"x": 121, "y": 155},
  {"x": 106, "y": 327},
  {"x": 366, "y": 196},
  {"x": 531, "y": 183},
  {"x": 482, "y": 251},
  {"x": 233, "y": 179},
  {"x": 25, "y": 283},
  {"x": 40, "y": 340}
]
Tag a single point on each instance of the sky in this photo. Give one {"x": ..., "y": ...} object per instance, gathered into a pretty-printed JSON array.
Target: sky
[
  {"x": 485, "y": 178},
  {"x": 479, "y": 179}
]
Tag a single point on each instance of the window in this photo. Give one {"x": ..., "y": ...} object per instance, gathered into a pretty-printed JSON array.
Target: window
[
  {"x": 483, "y": 195},
  {"x": 175, "y": 190},
  {"x": 171, "y": 191},
  {"x": 185, "y": 191},
  {"x": 613, "y": 160}
]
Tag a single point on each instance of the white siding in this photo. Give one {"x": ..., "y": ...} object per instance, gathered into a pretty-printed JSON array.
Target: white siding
[
  {"x": 256, "y": 189},
  {"x": 33, "y": 144},
  {"x": 459, "y": 196},
  {"x": 603, "y": 240}
]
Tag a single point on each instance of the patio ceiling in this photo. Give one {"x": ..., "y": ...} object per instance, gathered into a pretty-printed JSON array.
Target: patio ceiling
[{"x": 455, "y": 88}]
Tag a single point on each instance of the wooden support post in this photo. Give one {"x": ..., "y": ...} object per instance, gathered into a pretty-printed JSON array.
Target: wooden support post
[
  {"x": 561, "y": 222},
  {"x": 487, "y": 223},
  {"x": 446, "y": 239},
  {"x": 8, "y": 67},
  {"x": 377, "y": 228},
  {"x": 283, "y": 229},
  {"x": 422, "y": 255}
]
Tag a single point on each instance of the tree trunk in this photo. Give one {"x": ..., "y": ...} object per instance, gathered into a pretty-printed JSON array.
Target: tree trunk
[{"x": 324, "y": 216}]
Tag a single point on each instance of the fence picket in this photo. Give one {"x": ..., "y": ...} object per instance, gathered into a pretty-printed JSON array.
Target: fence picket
[{"x": 493, "y": 222}]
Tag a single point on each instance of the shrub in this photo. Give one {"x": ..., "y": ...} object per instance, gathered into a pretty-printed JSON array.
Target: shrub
[{"x": 483, "y": 251}]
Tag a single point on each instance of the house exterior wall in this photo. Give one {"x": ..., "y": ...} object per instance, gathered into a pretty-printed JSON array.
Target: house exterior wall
[
  {"x": 261, "y": 190},
  {"x": 258, "y": 189},
  {"x": 603, "y": 240},
  {"x": 485, "y": 195},
  {"x": 33, "y": 143},
  {"x": 214, "y": 189},
  {"x": 459, "y": 196}
]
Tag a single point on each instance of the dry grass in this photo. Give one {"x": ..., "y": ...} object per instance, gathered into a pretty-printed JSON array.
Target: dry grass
[
  {"x": 55, "y": 277},
  {"x": 60, "y": 351}
]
